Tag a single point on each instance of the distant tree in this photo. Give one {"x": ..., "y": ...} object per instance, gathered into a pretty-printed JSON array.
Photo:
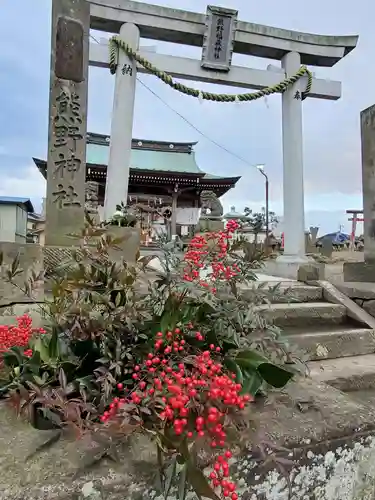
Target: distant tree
[{"x": 257, "y": 221}]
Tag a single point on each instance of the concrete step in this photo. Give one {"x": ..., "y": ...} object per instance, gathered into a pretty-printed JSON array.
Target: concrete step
[
  {"x": 289, "y": 291},
  {"x": 304, "y": 314},
  {"x": 336, "y": 342},
  {"x": 354, "y": 373}
]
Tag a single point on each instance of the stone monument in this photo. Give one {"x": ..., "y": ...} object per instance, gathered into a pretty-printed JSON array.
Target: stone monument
[
  {"x": 365, "y": 271},
  {"x": 66, "y": 166},
  {"x": 211, "y": 218},
  {"x": 327, "y": 248},
  {"x": 310, "y": 240},
  {"x": 314, "y": 236}
]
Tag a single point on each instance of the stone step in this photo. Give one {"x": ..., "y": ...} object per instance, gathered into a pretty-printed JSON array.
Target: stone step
[
  {"x": 304, "y": 314},
  {"x": 303, "y": 293},
  {"x": 336, "y": 342},
  {"x": 354, "y": 373},
  {"x": 290, "y": 292},
  {"x": 365, "y": 397}
]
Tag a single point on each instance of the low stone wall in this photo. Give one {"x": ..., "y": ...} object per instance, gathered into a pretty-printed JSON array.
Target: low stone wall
[
  {"x": 362, "y": 293},
  {"x": 329, "y": 442}
]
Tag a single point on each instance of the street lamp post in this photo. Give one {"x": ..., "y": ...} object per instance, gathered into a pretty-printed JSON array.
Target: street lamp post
[{"x": 261, "y": 170}]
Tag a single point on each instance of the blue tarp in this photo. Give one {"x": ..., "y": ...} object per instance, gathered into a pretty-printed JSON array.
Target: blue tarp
[{"x": 335, "y": 237}]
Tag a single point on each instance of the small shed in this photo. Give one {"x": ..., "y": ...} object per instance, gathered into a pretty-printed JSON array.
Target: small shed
[{"x": 13, "y": 218}]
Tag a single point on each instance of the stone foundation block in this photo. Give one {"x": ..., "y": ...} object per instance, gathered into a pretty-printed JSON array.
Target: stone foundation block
[
  {"x": 359, "y": 271},
  {"x": 309, "y": 271}
]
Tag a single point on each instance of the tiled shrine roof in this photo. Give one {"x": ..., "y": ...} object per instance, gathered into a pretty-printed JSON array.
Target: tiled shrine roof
[
  {"x": 157, "y": 162},
  {"x": 147, "y": 155}
]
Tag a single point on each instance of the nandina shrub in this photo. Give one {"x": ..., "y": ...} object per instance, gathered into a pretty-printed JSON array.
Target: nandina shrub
[
  {"x": 206, "y": 288},
  {"x": 111, "y": 327},
  {"x": 184, "y": 399}
]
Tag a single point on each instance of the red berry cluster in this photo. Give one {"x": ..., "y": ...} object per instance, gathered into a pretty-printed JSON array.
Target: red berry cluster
[
  {"x": 232, "y": 226},
  {"x": 18, "y": 335},
  {"x": 209, "y": 250},
  {"x": 220, "y": 476},
  {"x": 190, "y": 394}
]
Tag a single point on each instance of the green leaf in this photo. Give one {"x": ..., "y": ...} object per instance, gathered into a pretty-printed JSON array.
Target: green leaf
[
  {"x": 34, "y": 362},
  {"x": 169, "y": 476},
  {"x": 274, "y": 375},
  {"x": 234, "y": 368},
  {"x": 165, "y": 441},
  {"x": 62, "y": 379},
  {"x": 53, "y": 345},
  {"x": 145, "y": 260},
  {"x": 182, "y": 484},
  {"x": 38, "y": 380},
  {"x": 40, "y": 347},
  {"x": 252, "y": 382},
  {"x": 199, "y": 482},
  {"x": 15, "y": 265},
  {"x": 13, "y": 357},
  {"x": 164, "y": 322},
  {"x": 250, "y": 359}
]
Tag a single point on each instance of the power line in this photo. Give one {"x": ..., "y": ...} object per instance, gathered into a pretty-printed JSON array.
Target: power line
[
  {"x": 217, "y": 144},
  {"x": 95, "y": 40}
]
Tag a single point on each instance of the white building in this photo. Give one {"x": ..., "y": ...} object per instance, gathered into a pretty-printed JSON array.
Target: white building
[{"x": 13, "y": 218}]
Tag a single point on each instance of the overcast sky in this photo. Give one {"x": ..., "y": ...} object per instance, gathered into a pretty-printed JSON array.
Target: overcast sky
[{"x": 250, "y": 130}]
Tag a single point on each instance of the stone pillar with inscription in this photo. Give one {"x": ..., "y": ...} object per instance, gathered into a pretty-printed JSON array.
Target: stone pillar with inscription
[
  {"x": 365, "y": 271},
  {"x": 66, "y": 166}
]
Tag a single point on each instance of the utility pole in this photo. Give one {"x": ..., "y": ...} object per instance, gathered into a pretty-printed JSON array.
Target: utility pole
[{"x": 261, "y": 170}]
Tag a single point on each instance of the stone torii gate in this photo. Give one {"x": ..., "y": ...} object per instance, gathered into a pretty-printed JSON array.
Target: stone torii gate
[
  {"x": 134, "y": 20},
  {"x": 219, "y": 33}
]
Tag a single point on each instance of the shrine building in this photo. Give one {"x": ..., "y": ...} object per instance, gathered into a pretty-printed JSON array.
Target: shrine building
[{"x": 159, "y": 172}]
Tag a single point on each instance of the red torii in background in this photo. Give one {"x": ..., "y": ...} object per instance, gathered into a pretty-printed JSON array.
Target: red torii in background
[{"x": 354, "y": 219}]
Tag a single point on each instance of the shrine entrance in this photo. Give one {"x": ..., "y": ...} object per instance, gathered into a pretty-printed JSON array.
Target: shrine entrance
[{"x": 219, "y": 33}]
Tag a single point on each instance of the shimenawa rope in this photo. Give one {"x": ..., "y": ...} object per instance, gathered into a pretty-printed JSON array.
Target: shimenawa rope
[{"x": 116, "y": 44}]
